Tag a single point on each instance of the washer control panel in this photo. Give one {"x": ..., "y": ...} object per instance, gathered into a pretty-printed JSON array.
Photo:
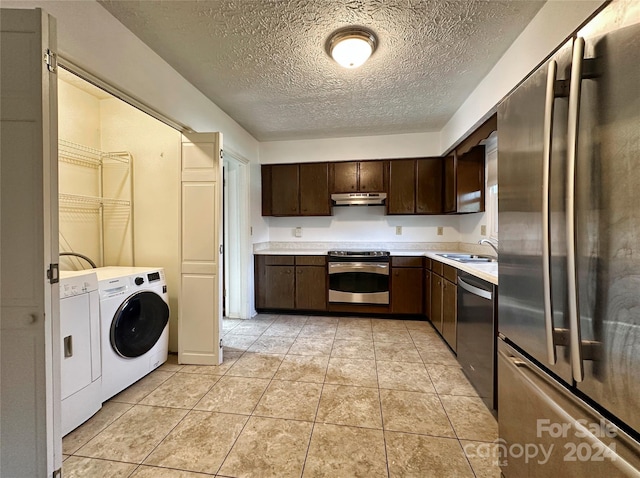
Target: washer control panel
[{"x": 76, "y": 284}]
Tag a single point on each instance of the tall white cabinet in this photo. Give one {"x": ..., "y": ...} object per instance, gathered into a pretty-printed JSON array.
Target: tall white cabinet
[{"x": 200, "y": 318}]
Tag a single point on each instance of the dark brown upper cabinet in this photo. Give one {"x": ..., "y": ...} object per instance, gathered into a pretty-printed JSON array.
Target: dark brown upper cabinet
[
  {"x": 296, "y": 189},
  {"x": 464, "y": 181},
  {"x": 415, "y": 186},
  {"x": 357, "y": 176},
  {"x": 429, "y": 186},
  {"x": 315, "y": 199},
  {"x": 401, "y": 197},
  {"x": 464, "y": 188},
  {"x": 285, "y": 190},
  {"x": 371, "y": 176},
  {"x": 470, "y": 180}
]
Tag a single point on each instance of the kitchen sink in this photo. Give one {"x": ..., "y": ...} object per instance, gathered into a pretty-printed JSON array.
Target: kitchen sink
[{"x": 466, "y": 258}]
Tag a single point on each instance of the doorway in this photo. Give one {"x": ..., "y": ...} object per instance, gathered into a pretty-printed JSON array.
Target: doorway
[{"x": 236, "y": 239}]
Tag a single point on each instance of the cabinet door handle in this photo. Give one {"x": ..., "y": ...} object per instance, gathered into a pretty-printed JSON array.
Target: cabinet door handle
[{"x": 68, "y": 346}]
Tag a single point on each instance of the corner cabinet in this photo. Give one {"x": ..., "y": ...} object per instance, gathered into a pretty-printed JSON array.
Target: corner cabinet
[
  {"x": 464, "y": 181},
  {"x": 296, "y": 190},
  {"x": 291, "y": 282},
  {"x": 464, "y": 187}
]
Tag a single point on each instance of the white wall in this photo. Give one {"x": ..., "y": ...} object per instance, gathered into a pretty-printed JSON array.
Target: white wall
[
  {"x": 78, "y": 116},
  {"x": 410, "y": 145},
  {"x": 364, "y": 224}
]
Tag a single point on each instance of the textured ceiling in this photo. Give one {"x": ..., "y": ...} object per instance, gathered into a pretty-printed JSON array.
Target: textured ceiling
[{"x": 263, "y": 61}]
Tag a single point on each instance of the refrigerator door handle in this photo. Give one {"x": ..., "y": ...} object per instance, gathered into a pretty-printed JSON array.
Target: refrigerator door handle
[
  {"x": 581, "y": 69},
  {"x": 546, "y": 192},
  {"x": 555, "y": 89},
  {"x": 575, "y": 91}
]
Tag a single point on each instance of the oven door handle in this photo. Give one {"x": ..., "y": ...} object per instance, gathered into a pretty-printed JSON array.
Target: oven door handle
[{"x": 373, "y": 268}]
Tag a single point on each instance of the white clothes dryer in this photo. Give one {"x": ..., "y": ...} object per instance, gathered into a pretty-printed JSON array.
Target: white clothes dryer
[
  {"x": 134, "y": 316},
  {"x": 80, "y": 366}
]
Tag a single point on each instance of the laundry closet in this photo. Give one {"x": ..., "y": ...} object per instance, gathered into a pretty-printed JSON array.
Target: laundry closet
[{"x": 119, "y": 185}]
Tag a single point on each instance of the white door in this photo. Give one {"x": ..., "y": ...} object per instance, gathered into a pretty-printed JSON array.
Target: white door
[
  {"x": 200, "y": 314},
  {"x": 30, "y": 441}
]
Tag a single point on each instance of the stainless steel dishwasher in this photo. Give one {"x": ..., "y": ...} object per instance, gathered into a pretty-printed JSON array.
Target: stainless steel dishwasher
[{"x": 477, "y": 334}]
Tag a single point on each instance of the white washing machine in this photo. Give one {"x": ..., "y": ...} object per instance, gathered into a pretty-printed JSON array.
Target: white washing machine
[
  {"x": 80, "y": 367},
  {"x": 134, "y": 316}
]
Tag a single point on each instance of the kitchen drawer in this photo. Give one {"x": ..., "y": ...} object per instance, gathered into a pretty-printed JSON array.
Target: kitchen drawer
[
  {"x": 436, "y": 267},
  {"x": 428, "y": 264},
  {"x": 311, "y": 260},
  {"x": 450, "y": 273},
  {"x": 402, "y": 261},
  {"x": 279, "y": 260}
]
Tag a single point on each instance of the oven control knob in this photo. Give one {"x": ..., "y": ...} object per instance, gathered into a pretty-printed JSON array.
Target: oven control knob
[{"x": 139, "y": 280}]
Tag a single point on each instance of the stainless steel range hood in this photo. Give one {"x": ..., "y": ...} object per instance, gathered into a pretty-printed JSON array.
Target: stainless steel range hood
[{"x": 358, "y": 199}]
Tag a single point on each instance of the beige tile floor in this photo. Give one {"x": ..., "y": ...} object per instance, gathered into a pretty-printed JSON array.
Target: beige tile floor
[{"x": 297, "y": 396}]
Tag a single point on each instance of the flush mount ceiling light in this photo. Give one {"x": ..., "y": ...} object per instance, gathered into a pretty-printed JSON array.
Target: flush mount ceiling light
[{"x": 350, "y": 47}]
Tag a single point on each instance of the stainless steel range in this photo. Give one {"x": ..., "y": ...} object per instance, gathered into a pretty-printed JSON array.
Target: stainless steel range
[{"x": 359, "y": 277}]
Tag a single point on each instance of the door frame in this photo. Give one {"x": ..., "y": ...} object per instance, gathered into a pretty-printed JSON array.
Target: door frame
[{"x": 237, "y": 240}]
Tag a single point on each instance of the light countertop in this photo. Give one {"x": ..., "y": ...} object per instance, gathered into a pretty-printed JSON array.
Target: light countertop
[{"x": 487, "y": 270}]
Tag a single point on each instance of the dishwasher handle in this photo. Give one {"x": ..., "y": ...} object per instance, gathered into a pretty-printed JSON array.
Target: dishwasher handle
[{"x": 485, "y": 294}]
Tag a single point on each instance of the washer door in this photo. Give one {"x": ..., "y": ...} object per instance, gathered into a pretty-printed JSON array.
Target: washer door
[{"x": 138, "y": 324}]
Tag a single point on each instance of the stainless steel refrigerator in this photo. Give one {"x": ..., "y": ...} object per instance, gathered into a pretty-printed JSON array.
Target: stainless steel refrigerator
[{"x": 569, "y": 295}]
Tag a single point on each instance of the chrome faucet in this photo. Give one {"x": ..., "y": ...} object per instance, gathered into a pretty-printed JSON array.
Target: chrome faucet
[{"x": 488, "y": 242}]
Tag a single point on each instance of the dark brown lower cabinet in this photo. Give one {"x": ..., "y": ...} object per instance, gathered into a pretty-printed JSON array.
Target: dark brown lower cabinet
[
  {"x": 291, "y": 282},
  {"x": 280, "y": 282},
  {"x": 311, "y": 289},
  {"x": 436, "y": 301},
  {"x": 406, "y": 285},
  {"x": 443, "y": 309},
  {"x": 427, "y": 289},
  {"x": 449, "y": 313}
]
